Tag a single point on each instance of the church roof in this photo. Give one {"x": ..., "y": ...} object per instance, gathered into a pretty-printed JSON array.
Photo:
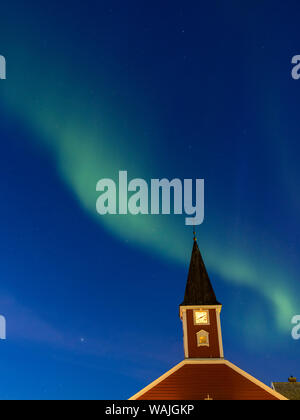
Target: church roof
[
  {"x": 215, "y": 379},
  {"x": 199, "y": 290}
]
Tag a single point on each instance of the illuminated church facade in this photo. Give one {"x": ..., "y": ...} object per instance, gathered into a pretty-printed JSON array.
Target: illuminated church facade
[{"x": 204, "y": 374}]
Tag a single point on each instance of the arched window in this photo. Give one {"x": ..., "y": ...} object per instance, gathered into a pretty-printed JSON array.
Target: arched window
[{"x": 202, "y": 338}]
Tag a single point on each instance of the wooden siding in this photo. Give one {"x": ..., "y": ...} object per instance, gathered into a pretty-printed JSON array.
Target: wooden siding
[
  {"x": 213, "y": 350},
  {"x": 196, "y": 381}
]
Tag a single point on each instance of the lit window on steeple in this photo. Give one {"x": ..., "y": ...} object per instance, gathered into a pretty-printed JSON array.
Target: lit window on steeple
[{"x": 202, "y": 338}]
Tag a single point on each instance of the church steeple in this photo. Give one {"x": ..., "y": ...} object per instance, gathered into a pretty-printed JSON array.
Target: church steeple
[
  {"x": 199, "y": 290},
  {"x": 204, "y": 374},
  {"x": 200, "y": 312}
]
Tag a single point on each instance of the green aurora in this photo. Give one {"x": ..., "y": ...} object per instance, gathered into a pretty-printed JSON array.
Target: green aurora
[{"x": 84, "y": 135}]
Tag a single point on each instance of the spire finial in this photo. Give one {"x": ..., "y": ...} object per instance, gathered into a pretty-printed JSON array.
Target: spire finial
[{"x": 194, "y": 233}]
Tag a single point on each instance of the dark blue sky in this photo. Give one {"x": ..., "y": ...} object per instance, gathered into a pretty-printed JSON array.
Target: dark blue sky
[{"x": 161, "y": 89}]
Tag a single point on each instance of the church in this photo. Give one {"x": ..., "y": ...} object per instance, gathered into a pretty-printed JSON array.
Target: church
[{"x": 204, "y": 374}]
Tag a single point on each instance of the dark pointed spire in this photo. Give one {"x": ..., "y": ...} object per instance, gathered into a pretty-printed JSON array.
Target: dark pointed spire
[{"x": 199, "y": 290}]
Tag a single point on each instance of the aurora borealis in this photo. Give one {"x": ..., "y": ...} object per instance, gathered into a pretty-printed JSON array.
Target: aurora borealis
[{"x": 160, "y": 90}]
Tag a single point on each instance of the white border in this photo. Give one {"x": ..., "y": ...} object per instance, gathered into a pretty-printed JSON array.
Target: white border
[{"x": 185, "y": 335}]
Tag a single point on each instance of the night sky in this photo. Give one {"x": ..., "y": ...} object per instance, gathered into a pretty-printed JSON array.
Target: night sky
[{"x": 175, "y": 89}]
